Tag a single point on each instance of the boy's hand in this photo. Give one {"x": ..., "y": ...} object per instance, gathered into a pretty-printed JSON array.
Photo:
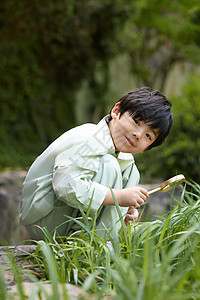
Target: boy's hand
[
  {"x": 132, "y": 215},
  {"x": 133, "y": 196}
]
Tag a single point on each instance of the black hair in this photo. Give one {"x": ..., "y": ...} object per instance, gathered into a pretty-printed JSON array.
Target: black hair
[{"x": 151, "y": 107}]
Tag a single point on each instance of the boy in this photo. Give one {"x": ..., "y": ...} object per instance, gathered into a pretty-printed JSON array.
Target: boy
[{"x": 80, "y": 167}]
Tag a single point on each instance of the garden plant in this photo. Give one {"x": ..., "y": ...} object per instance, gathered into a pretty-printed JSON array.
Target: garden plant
[{"x": 151, "y": 260}]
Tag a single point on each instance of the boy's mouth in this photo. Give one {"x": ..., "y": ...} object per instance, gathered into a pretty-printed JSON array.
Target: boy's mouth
[{"x": 129, "y": 141}]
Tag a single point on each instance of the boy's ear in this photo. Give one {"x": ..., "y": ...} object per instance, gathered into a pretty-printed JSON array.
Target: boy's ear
[{"x": 115, "y": 110}]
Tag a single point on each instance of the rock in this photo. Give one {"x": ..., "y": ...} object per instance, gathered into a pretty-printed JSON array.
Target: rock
[
  {"x": 37, "y": 289},
  {"x": 13, "y": 251},
  {"x": 11, "y": 231},
  {"x": 42, "y": 291}
]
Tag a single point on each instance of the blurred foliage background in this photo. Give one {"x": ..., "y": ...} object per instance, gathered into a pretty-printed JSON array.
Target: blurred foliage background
[{"x": 66, "y": 62}]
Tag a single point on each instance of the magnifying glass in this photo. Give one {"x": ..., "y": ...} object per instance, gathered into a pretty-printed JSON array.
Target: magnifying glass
[{"x": 169, "y": 184}]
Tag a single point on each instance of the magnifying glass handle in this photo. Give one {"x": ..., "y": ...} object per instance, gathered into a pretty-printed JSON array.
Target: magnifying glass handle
[{"x": 155, "y": 190}]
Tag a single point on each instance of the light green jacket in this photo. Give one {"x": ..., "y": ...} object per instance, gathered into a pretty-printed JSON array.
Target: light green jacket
[{"x": 65, "y": 171}]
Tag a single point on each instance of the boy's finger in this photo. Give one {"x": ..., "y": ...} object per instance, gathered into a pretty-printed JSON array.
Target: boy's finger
[{"x": 144, "y": 192}]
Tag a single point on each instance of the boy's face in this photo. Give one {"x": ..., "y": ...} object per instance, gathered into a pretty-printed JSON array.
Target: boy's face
[{"x": 128, "y": 134}]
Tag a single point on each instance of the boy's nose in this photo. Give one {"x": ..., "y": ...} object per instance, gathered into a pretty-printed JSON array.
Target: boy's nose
[{"x": 136, "y": 136}]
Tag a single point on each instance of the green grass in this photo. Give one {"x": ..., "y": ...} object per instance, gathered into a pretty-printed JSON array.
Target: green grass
[{"x": 151, "y": 260}]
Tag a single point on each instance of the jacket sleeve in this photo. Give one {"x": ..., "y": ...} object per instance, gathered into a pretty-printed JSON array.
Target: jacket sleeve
[{"x": 73, "y": 181}]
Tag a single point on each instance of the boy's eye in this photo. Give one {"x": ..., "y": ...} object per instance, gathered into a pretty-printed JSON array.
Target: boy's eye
[
  {"x": 136, "y": 122},
  {"x": 148, "y": 136}
]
